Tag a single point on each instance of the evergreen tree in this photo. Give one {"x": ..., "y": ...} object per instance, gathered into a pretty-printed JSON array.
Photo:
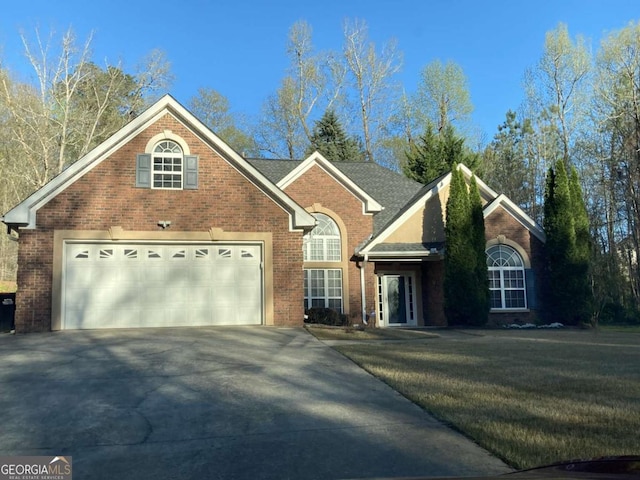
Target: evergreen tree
[
  {"x": 582, "y": 252},
  {"x": 435, "y": 154},
  {"x": 459, "y": 261},
  {"x": 330, "y": 139},
  {"x": 478, "y": 239},
  {"x": 567, "y": 294}
]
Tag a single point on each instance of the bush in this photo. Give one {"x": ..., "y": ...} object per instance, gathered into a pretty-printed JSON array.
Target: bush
[
  {"x": 617, "y": 314},
  {"x": 326, "y": 316}
]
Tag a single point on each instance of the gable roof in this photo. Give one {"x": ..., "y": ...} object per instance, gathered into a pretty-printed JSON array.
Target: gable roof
[
  {"x": 388, "y": 188},
  {"x": 515, "y": 211},
  {"x": 24, "y": 214},
  {"x": 369, "y": 204},
  {"x": 431, "y": 190}
]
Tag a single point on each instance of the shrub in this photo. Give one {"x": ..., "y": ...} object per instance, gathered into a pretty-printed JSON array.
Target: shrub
[{"x": 326, "y": 316}]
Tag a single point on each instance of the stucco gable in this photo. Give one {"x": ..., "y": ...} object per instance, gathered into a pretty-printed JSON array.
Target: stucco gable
[
  {"x": 422, "y": 219},
  {"x": 24, "y": 214}
]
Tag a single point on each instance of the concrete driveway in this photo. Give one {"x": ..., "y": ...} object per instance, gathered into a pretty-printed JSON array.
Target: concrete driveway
[{"x": 234, "y": 403}]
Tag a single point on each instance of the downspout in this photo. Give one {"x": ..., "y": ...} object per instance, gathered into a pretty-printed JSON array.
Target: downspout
[{"x": 363, "y": 295}]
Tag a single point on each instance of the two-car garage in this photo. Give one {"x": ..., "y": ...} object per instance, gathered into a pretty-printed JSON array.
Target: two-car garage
[{"x": 132, "y": 285}]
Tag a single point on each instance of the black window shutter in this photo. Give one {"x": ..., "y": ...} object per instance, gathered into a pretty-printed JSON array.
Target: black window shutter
[
  {"x": 143, "y": 170},
  {"x": 190, "y": 172},
  {"x": 530, "y": 282}
]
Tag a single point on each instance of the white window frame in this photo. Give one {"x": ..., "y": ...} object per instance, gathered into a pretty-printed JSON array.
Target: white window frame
[
  {"x": 170, "y": 155},
  {"x": 328, "y": 297},
  {"x": 501, "y": 264},
  {"x": 326, "y": 238}
]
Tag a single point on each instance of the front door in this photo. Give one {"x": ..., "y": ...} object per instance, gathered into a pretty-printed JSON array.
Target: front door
[{"x": 397, "y": 300}]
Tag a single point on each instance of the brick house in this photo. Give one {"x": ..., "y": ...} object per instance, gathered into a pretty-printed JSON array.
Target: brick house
[{"x": 165, "y": 225}]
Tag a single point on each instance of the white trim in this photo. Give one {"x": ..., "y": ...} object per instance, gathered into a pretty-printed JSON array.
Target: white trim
[
  {"x": 369, "y": 204},
  {"x": 406, "y": 215},
  {"x": 517, "y": 213},
  {"x": 24, "y": 214},
  {"x": 492, "y": 198},
  {"x": 410, "y": 300},
  {"x": 167, "y": 135}
]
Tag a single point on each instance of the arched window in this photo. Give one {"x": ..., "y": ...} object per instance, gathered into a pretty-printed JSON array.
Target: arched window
[
  {"x": 506, "y": 278},
  {"x": 167, "y": 165},
  {"x": 323, "y": 243},
  {"x": 323, "y": 286}
]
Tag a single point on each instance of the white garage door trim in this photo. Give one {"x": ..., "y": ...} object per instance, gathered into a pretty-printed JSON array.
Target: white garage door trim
[{"x": 109, "y": 284}]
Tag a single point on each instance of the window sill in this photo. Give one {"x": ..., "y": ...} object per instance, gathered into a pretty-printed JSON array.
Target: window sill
[{"x": 509, "y": 310}]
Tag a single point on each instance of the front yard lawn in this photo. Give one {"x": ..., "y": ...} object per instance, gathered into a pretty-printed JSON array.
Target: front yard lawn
[{"x": 530, "y": 397}]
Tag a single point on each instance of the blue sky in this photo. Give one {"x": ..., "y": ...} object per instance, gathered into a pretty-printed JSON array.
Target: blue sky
[{"x": 238, "y": 48}]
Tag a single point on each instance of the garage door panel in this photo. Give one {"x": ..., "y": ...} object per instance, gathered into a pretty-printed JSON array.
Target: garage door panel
[{"x": 111, "y": 285}]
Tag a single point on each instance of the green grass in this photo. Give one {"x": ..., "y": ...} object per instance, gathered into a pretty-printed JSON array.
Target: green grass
[
  {"x": 620, "y": 328},
  {"x": 352, "y": 334},
  {"x": 530, "y": 397}
]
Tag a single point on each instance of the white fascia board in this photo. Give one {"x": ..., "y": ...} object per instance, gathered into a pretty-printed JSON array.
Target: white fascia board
[
  {"x": 516, "y": 212},
  {"x": 299, "y": 218},
  {"x": 401, "y": 255},
  {"x": 369, "y": 204},
  {"x": 485, "y": 190},
  {"x": 24, "y": 214},
  {"x": 412, "y": 210}
]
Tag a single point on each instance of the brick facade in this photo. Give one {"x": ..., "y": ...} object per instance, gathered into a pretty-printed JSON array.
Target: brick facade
[
  {"x": 227, "y": 201},
  {"x": 317, "y": 187},
  {"x": 106, "y": 196}
]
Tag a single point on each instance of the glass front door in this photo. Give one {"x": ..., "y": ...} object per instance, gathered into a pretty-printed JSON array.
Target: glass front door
[{"x": 397, "y": 300}]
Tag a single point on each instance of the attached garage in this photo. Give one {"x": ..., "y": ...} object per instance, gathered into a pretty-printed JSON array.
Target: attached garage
[{"x": 132, "y": 285}]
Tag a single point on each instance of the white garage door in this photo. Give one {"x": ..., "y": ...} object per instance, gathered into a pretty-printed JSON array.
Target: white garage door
[{"x": 109, "y": 285}]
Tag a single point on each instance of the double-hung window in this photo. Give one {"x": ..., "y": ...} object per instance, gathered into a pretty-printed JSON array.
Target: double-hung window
[{"x": 167, "y": 165}]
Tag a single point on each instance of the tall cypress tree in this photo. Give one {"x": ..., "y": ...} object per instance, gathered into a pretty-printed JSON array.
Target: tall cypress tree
[
  {"x": 583, "y": 306},
  {"x": 567, "y": 292},
  {"x": 466, "y": 295},
  {"x": 482, "y": 294},
  {"x": 330, "y": 139}
]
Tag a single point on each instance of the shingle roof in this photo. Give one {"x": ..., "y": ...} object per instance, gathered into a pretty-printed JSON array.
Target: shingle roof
[
  {"x": 391, "y": 189},
  {"x": 274, "y": 170}
]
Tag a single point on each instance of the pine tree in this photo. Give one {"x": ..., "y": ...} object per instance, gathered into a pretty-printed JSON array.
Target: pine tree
[
  {"x": 435, "y": 154},
  {"x": 330, "y": 139},
  {"x": 567, "y": 295}
]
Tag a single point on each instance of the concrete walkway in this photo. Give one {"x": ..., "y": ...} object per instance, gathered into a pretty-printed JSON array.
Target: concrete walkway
[{"x": 215, "y": 403}]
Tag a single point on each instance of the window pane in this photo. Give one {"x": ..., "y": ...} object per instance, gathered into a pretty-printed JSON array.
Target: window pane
[
  {"x": 496, "y": 299},
  {"x": 494, "y": 279},
  {"x": 333, "y": 249},
  {"x": 514, "y": 299},
  {"x": 335, "y": 303}
]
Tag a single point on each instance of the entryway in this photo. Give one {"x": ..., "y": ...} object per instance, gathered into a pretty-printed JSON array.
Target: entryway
[{"x": 397, "y": 299}]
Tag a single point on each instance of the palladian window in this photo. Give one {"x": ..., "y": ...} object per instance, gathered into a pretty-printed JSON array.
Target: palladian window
[
  {"x": 323, "y": 243},
  {"x": 322, "y": 252},
  {"x": 506, "y": 278}
]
